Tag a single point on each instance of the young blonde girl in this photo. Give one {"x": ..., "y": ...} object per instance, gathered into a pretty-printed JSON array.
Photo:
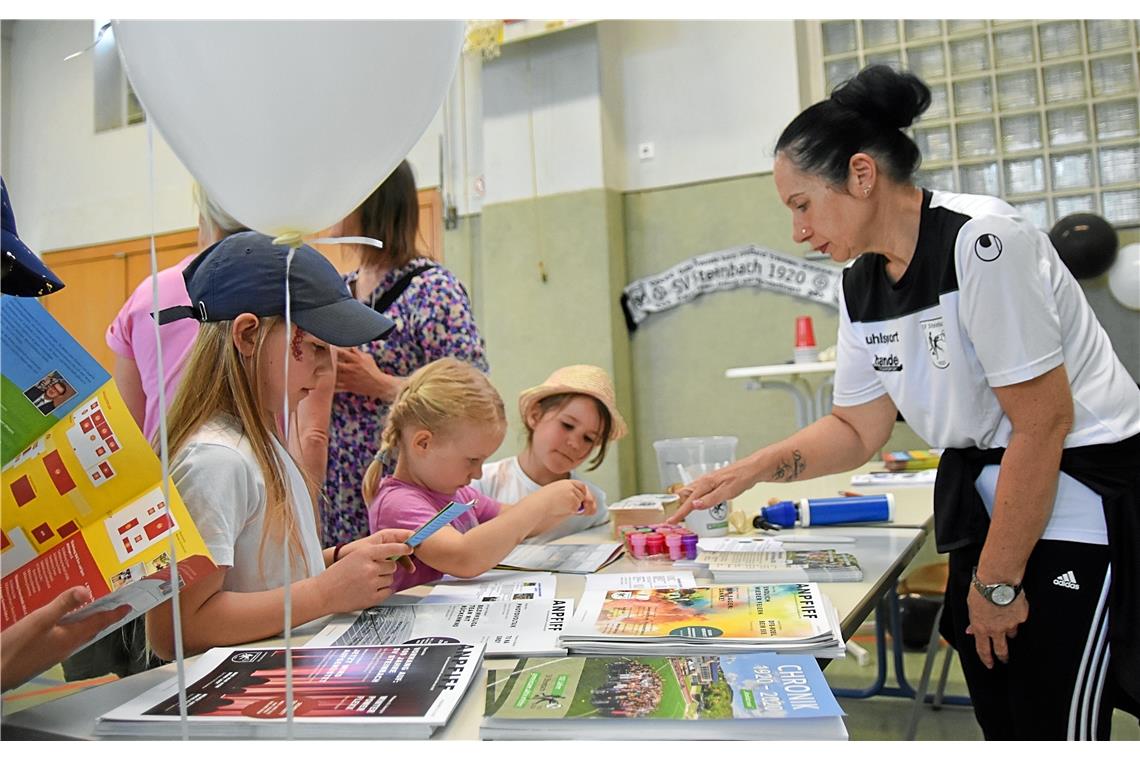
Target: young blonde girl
[
  {"x": 243, "y": 489},
  {"x": 444, "y": 424},
  {"x": 572, "y": 415}
]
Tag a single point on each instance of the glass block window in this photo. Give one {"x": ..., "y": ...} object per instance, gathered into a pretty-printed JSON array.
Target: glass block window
[{"x": 1045, "y": 114}]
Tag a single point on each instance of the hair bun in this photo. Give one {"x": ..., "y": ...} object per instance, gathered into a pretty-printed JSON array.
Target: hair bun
[{"x": 885, "y": 96}]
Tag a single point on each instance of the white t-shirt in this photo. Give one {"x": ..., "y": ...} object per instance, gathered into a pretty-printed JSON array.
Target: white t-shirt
[
  {"x": 986, "y": 302},
  {"x": 505, "y": 482},
  {"x": 218, "y": 478}
]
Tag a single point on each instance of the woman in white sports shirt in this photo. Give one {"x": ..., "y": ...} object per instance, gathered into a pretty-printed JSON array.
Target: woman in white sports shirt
[{"x": 960, "y": 315}]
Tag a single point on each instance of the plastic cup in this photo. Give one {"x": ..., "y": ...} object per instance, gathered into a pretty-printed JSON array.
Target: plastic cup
[
  {"x": 805, "y": 350},
  {"x": 805, "y": 335},
  {"x": 675, "y": 454}
]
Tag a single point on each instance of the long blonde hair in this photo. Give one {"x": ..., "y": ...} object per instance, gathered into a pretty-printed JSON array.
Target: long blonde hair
[
  {"x": 217, "y": 380},
  {"x": 219, "y": 222},
  {"x": 435, "y": 397}
]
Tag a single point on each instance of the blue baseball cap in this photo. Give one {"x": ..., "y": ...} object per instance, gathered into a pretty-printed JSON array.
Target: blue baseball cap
[
  {"x": 22, "y": 272},
  {"x": 245, "y": 273}
]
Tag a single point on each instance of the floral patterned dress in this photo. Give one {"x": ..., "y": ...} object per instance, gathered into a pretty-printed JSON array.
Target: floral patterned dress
[{"x": 433, "y": 320}]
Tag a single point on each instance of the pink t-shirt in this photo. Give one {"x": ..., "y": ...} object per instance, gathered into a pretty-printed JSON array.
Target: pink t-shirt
[
  {"x": 399, "y": 504},
  {"x": 131, "y": 335}
]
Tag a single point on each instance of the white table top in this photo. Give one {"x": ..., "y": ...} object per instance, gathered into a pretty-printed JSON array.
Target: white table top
[
  {"x": 883, "y": 552},
  {"x": 780, "y": 370}
]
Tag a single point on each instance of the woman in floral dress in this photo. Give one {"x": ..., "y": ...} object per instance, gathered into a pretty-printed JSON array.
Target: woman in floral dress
[{"x": 433, "y": 320}]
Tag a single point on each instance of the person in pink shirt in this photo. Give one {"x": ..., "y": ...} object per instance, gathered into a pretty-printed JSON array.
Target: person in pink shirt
[
  {"x": 445, "y": 421},
  {"x": 131, "y": 335}
]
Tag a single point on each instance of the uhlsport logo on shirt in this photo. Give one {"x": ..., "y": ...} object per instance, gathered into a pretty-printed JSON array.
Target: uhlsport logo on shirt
[
  {"x": 888, "y": 363},
  {"x": 1067, "y": 580},
  {"x": 935, "y": 332},
  {"x": 879, "y": 338}
]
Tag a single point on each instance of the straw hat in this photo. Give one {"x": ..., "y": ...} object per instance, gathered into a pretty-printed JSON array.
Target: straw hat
[{"x": 578, "y": 378}]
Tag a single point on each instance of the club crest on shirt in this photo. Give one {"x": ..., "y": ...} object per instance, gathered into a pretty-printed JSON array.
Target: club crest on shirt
[
  {"x": 935, "y": 333},
  {"x": 987, "y": 247}
]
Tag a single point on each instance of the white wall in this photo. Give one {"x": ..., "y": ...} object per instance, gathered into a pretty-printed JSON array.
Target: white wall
[
  {"x": 71, "y": 186},
  {"x": 555, "y": 114},
  {"x": 463, "y": 177},
  {"x": 542, "y": 117},
  {"x": 5, "y": 87},
  {"x": 567, "y": 111},
  {"x": 712, "y": 97}
]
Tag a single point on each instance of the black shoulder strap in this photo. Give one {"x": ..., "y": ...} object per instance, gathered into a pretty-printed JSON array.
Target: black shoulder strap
[{"x": 398, "y": 287}]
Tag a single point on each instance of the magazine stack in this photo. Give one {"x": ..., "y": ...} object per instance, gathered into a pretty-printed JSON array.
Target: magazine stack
[
  {"x": 746, "y": 696},
  {"x": 383, "y": 692},
  {"x": 780, "y": 566},
  {"x": 790, "y": 618},
  {"x": 526, "y": 628}
]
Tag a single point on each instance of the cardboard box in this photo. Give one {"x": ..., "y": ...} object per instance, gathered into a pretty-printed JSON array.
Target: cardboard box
[{"x": 643, "y": 509}]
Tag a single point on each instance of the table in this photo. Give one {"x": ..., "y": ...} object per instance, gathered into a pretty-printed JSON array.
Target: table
[
  {"x": 914, "y": 507},
  {"x": 809, "y": 406},
  {"x": 883, "y": 552}
]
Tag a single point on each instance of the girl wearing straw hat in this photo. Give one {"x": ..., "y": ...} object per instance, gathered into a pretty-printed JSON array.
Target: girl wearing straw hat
[{"x": 570, "y": 416}]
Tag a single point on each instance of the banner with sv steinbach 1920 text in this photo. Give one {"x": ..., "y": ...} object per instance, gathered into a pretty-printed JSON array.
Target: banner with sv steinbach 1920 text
[{"x": 745, "y": 266}]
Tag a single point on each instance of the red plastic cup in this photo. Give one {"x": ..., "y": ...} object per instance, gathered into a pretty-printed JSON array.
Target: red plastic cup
[{"x": 805, "y": 335}]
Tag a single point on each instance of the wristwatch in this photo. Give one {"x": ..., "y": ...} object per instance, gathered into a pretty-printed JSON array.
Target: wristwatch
[{"x": 1001, "y": 594}]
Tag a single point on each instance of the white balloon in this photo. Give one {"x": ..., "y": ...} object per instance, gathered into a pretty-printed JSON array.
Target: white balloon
[
  {"x": 1124, "y": 277},
  {"x": 289, "y": 125}
]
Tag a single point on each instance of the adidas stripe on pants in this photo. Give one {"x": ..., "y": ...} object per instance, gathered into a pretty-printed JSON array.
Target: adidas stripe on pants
[{"x": 1056, "y": 684}]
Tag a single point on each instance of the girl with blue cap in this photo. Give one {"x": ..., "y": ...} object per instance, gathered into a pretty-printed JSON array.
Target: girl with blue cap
[{"x": 247, "y": 496}]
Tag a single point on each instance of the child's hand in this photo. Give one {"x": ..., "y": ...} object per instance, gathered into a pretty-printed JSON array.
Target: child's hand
[
  {"x": 362, "y": 575},
  {"x": 589, "y": 503},
  {"x": 568, "y": 497},
  {"x": 39, "y": 640}
]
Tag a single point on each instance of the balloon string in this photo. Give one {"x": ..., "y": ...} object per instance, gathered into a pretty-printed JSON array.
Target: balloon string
[
  {"x": 164, "y": 455},
  {"x": 295, "y": 239},
  {"x": 289, "y": 504},
  {"x": 98, "y": 37}
]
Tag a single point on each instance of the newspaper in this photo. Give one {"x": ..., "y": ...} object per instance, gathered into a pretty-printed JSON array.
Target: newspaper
[{"x": 508, "y": 629}]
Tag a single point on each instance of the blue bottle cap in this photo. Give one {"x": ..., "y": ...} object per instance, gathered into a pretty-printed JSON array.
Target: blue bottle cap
[{"x": 782, "y": 513}]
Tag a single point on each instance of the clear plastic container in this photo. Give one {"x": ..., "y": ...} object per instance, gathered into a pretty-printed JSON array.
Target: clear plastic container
[
  {"x": 674, "y": 455},
  {"x": 714, "y": 520}
]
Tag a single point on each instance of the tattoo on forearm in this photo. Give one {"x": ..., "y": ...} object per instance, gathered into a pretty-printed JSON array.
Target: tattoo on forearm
[{"x": 790, "y": 471}]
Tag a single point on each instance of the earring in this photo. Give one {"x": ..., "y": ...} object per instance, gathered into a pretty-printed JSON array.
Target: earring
[{"x": 866, "y": 191}]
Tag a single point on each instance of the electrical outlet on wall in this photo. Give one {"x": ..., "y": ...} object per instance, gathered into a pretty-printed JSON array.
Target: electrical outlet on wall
[{"x": 645, "y": 151}]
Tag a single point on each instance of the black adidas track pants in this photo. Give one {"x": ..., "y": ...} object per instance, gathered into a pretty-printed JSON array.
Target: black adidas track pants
[{"x": 1056, "y": 684}]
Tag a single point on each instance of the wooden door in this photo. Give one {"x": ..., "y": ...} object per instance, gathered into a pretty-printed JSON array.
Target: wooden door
[
  {"x": 429, "y": 238},
  {"x": 170, "y": 252},
  {"x": 99, "y": 279},
  {"x": 95, "y": 289}
]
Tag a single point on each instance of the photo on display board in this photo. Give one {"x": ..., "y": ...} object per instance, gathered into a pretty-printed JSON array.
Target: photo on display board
[{"x": 49, "y": 392}]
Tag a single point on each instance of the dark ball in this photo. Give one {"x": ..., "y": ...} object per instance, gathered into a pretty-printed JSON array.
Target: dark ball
[{"x": 1087, "y": 244}]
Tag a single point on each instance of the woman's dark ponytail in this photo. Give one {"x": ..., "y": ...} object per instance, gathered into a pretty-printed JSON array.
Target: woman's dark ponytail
[{"x": 865, "y": 114}]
